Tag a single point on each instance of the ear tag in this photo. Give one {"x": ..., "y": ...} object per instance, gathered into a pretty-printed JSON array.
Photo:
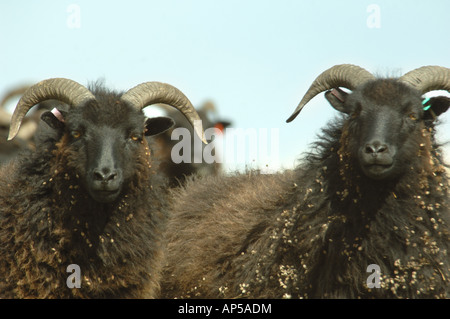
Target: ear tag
[
  {"x": 338, "y": 95},
  {"x": 220, "y": 127},
  {"x": 428, "y": 108},
  {"x": 424, "y": 102},
  {"x": 58, "y": 114}
]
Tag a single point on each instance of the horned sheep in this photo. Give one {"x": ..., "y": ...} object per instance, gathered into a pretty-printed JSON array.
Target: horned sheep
[
  {"x": 89, "y": 196},
  {"x": 365, "y": 215},
  {"x": 176, "y": 171}
]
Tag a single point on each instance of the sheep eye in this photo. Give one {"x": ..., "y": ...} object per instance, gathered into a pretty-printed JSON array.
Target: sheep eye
[
  {"x": 413, "y": 116},
  {"x": 135, "y": 137},
  {"x": 76, "y": 134}
]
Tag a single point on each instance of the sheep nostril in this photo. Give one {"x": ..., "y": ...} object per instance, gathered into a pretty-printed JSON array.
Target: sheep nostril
[
  {"x": 104, "y": 176},
  {"x": 375, "y": 148},
  {"x": 98, "y": 176},
  {"x": 369, "y": 149},
  {"x": 111, "y": 177},
  {"x": 382, "y": 149}
]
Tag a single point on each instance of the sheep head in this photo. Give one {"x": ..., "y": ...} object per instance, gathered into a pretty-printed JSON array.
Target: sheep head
[
  {"x": 101, "y": 134},
  {"x": 386, "y": 126}
]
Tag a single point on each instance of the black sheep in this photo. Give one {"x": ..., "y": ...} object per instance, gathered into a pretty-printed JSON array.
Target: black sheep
[
  {"x": 89, "y": 195},
  {"x": 177, "y": 172},
  {"x": 366, "y": 215}
]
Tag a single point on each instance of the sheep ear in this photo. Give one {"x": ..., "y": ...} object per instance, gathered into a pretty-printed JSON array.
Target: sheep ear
[
  {"x": 435, "y": 106},
  {"x": 54, "y": 119},
  {"x": 157, "y": 125},
  {"x": 336, "y": 97}
]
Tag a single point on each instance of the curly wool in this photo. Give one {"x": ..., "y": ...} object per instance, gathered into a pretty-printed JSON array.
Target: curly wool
[
  {"x": 312, "y": 232},
  {"x": 48, "y": 221}
]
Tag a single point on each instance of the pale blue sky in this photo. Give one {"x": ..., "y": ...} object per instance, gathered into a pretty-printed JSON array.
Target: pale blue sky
[{"x": 254, "y": 58}]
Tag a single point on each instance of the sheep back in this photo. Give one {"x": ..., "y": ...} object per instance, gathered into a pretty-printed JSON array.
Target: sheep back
[{"x": 312, "y": 233}]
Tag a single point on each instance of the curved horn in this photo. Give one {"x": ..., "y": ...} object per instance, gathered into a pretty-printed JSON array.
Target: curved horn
[
  {"x": 148, "y": 93},
  {"x": 428, "y": 78},
  {"x": 5, "y": 116},
  {"x": 64, "y": 90},
  {"x": 343, "y": 75}
]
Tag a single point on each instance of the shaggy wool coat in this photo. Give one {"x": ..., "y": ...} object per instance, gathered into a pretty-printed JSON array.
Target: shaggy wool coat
[
  {"x": 48, "y": 222},
  {"x": 314, "y": 232}
]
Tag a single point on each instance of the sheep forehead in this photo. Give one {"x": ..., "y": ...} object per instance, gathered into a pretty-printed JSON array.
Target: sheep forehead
[
  {"x": 390, "y": 92},
  {"x": 110, "y": 115}
]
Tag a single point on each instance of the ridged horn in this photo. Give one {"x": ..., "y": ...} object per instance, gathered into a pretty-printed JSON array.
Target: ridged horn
[
  {"x": 343, "y": 75},
  {"x": 428, "y": 78},
  {"x": 149, "y": 93},
  {"x": 5, "y": 117},
  {"x": 61, "y": 89}
]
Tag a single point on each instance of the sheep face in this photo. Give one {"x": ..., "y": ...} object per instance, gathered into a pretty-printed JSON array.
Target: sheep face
[
  {"x": 97, "y": 136},
  {"x": 102, "y": 142},
  {"x": 385, "y": 126}
]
